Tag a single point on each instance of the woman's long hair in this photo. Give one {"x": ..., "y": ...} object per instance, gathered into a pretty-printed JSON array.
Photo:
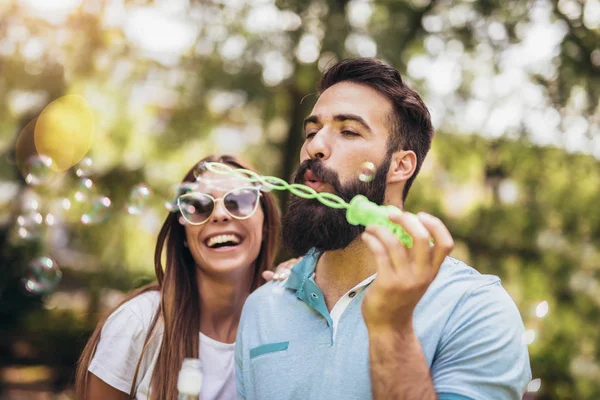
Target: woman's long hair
[{"x": 179, "y": 310}]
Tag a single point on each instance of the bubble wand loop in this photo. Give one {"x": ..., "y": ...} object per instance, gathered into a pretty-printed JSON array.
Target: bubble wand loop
[{"x": 360, "y": 211}]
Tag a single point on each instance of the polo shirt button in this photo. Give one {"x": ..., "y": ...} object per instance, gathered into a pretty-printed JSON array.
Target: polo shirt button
[
  {"x": 314, "y": 295},
  {"x": 352, "y": 294}
]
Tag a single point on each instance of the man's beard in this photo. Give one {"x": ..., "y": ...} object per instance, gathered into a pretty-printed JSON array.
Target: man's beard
[{"x": 308, "y": 224}]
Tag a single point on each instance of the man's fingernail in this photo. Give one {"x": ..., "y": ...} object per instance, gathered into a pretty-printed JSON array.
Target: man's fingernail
[
  {"x": 394, "y": 212},
  {"x": 424, "y": 216}
]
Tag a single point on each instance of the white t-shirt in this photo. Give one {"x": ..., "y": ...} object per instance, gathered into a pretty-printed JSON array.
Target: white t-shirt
[{"x": 121, "y": 344}]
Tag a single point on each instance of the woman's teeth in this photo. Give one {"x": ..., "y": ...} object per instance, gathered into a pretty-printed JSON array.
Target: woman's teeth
[{"x": 223, "y": 239}]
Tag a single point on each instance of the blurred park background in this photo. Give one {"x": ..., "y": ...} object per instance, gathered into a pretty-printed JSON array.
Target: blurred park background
[{"x": 149, "y": 87}]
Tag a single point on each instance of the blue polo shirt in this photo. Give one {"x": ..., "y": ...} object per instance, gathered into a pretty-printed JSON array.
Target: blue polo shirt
[{"x": 468, "y": 326}]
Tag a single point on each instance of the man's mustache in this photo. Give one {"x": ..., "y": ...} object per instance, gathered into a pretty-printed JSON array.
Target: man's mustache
[{"x": 322, "y": 173}]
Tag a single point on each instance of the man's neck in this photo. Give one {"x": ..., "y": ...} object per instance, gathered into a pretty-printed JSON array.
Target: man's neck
[{"x": 338, "y": 271}]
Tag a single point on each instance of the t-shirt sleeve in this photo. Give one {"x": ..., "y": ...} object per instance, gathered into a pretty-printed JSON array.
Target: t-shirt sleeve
[
  {"x": 119, "y": 348},
  {"x": 481, "y": 355}
]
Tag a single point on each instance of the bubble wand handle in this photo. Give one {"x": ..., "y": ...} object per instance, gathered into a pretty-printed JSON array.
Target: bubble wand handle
[
  {"x": 360, "y": 210},
  {"x": 365, "y": 212}
]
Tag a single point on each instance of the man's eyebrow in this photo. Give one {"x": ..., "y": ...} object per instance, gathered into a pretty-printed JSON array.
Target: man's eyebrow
[
  {"x": 314, "y": 119},
  {"x": 352, "y": 117}
]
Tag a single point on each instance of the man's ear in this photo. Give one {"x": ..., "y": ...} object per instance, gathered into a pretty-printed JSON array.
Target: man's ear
[{"x": 403, "y": 166}]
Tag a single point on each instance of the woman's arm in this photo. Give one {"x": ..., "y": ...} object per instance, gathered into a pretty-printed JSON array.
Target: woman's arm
[{"x": 97, "y": 389}]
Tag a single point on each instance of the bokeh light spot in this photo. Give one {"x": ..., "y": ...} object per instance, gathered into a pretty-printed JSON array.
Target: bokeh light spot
[
  {"x": 64, "y": 131},
  {"x": 542, "y": 309},
  {"x": 534, "y": 385}
]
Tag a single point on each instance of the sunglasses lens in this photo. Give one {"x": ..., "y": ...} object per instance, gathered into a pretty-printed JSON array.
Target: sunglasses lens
[
  {"x": 241, "y": 203},
  {"x": 196, "y": 207}
]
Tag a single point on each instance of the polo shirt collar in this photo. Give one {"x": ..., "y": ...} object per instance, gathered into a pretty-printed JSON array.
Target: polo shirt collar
[{"x": 303, "y": 270}]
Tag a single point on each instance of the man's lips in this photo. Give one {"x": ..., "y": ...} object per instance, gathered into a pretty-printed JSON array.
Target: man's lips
[
  {"x": 311, "y": 180},
  {"x": 310, "y": 176},
  {"x": 316, "y": 185}
]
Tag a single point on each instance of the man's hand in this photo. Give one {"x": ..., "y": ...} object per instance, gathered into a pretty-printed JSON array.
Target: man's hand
[
  {"x": 403, "y": 274},
  {"x": 282, "y": 271}
]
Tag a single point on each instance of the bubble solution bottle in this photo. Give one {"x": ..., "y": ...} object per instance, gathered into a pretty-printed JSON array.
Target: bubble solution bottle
[{"x": 189, "y": 382}]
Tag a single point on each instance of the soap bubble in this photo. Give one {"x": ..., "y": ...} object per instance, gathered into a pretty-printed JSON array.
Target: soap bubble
[
  {"x": 171, "y": 200},
  {"x": 38, "y": 169},
  {"x": 28, "y": 224},
  {"x": 84, "y": 189},
  {"x": 542, "y": 309},
  {"x": 367, "y": 172},
  {"x": 534, "y": 385},
  {"x": 199, "y": 169},
  {"x": 170, "y": 206},
  {"x": 42, "y": 275},
  {"x": 177, "y": 190},
  {"x": 84, "y": 168},
  {"x": 98, "y": 211},
  {"x": 182, "y": 220},
  {"x": 138, "y": 199}
]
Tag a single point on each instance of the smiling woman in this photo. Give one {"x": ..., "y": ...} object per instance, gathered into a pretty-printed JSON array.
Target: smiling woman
[{"x": 218, "y": 244}]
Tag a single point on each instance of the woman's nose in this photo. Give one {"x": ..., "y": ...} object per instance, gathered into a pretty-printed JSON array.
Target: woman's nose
[{"x": 220, "y": 214}]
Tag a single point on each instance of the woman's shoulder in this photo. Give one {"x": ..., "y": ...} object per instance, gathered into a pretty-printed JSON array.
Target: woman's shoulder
[
  {"x": 137, "y": 312},
  {"x": 122, "y": 342}
]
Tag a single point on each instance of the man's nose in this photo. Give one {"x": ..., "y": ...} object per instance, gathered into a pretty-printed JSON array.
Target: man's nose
[{"x": 319, "y": 146}]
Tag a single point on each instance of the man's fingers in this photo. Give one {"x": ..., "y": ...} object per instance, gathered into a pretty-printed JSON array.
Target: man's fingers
[
  {"x": 443, "y": 242},
  {"x": 397, "y": 253},
  {"x": 421, "y": 251},
  {"x": 384, "y": 265}
]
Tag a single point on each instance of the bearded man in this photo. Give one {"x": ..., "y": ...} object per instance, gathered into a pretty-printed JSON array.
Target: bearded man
[{"x": 361, "y": 315}]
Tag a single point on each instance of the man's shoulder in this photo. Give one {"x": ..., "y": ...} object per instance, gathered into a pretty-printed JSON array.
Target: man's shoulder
[
  {"x": 267, "y": 296},
  {"x": 457, "y": 283},
  {"x": 456, "y": 276},
  {"x": 461, "y": 289}
]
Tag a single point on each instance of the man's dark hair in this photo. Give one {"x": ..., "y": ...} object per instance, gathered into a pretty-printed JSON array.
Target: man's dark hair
[{"x": 411, "y": 127}]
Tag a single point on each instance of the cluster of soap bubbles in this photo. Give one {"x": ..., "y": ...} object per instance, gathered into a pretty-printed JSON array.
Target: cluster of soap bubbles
[
  {"x": 88, "y": 206},
  {"x": 95, "y": 207},
  {"x": 56, "y": 141}
]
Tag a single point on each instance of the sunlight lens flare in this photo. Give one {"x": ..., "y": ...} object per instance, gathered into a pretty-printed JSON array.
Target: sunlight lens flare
[{"x": 64, "y": 131}]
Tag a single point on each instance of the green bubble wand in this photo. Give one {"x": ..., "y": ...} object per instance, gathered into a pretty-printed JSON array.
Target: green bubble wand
[{"x": 360, "y": 210}]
